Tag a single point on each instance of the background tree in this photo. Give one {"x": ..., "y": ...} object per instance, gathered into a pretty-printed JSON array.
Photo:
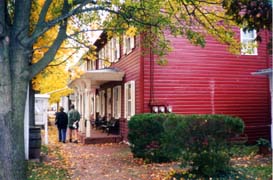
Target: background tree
[
  {"x": 55, "y": 76},
  {"x": 193, "y": 19}
]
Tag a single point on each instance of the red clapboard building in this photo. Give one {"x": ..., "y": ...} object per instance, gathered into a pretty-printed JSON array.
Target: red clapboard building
[{"x": 196, "y": 80}]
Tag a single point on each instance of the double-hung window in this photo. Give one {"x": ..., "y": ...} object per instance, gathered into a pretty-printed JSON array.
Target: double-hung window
[
  {"x": 249, "y": 44},
  {"x": 129, "y": 99},
  {"x": 115, "y": 49},
  {"x": 101, "y": 58},
  {"x": 117, "y": 102},
  {"x": 128, "y": 44},
  {"x": 90, "y": 65},
  {"x": 109, "y": 101},
  {"x": 102, "y": 103}
]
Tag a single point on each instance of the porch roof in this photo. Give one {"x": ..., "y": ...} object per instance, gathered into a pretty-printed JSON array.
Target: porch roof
[{"x": 95, "y": 78}]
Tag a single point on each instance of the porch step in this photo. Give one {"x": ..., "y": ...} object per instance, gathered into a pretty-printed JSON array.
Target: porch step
[
  {"x": 102, "y": 140},
  {"x": 99, "y": 137}
]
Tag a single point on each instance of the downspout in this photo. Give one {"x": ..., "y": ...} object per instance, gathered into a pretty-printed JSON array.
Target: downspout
[
  {"x": 151, "y": 79},
  {"x": 271, "y": 92},
  {"x": 151, "y": 75},
  {"x": 141, "y": 76}
]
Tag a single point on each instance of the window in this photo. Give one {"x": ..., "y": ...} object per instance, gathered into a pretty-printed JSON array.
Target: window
[
  {"x": 109, "y": 101},
  {"x": 117, "y": 102},
  {"x": 249, "y": 45},
  {"x": 128, "y": 44},
  {"x": 101, "y": 58},
  {"x": 98, "y": 103},
  {"x": 102, "y": 103},
  {"x": 129, "y": 99},
  {"x": 90, "y": 65},
  {"x": 109, "y": 53},
  {"x": 115, "y": 47}
]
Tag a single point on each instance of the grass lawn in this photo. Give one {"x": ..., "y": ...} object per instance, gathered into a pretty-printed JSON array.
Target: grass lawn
[{"x": 246, "y": 160}]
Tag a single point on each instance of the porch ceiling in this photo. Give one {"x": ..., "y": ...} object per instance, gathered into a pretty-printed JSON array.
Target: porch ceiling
[{"x": 95, "y": 78}]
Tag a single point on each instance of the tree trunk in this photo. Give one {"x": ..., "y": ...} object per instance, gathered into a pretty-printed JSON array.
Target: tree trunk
[
  {"x": 31, "y": 105},
  {"x": 13, "y": 87}
]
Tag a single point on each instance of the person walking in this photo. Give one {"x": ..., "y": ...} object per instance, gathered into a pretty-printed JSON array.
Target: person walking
[
  {"x": 73, "y": 123},
  {"x": 61, "y": 121}
]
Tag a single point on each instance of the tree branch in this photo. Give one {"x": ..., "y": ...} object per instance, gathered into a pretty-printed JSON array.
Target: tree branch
[
  {"x": 44, "y": 12},
  {"x": 43, "y": 26},
  {"x": 64, "y": 59},
  {"x": 49, "y": 55},
  {"x": 2, "y": 18}
]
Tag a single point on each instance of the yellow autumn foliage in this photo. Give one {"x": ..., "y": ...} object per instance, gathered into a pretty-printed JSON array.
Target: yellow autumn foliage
[
  {"x": 131, "y": 31},
  {"x": 55, "y": 75}
]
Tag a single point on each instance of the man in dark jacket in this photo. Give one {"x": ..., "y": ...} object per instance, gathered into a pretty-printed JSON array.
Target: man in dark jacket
[
  {"x": 61, "y": 122},
  {"x": 73, "y": 123}
]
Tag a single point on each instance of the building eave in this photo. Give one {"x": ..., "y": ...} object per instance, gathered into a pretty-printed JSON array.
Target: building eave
[{"x": 97, "y": 77}]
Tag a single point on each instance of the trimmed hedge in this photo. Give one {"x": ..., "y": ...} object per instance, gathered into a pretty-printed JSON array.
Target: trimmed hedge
[
  {"x": 199, "y": 141},
  {"x": 145, "y": 133}
]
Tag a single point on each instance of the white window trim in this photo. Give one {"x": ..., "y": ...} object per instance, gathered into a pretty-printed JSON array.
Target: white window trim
[
  {"x": 244, "y": 50},
  {"x": 132, "y": 83},
  {"x": 118, "y": 114}
]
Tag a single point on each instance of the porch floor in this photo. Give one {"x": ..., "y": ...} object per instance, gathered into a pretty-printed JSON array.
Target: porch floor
[{"x": 99, "y": 137}]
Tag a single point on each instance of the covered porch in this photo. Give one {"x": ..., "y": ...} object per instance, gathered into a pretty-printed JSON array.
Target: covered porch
[{"x": 88, "y": 103}]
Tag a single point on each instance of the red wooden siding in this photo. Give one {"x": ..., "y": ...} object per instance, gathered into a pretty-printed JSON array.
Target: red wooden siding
[
  {"x": 198, "y": 80},
  {"x": 210, "y": 80}
]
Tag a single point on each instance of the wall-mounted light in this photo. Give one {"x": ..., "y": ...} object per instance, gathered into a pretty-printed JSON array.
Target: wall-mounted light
[
  {"x": 169, "y": 108},
  {"x": 155, "y": 109},
  {"x": 162, "y": 109}
]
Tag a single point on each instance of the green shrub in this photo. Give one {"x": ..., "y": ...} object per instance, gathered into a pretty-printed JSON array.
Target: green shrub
[
  {"x": 263, "y": 142},
  {"x": 199, "y": 141},
  {"x": 202, "y": 141},
  {"x": 145, "y": 131}
]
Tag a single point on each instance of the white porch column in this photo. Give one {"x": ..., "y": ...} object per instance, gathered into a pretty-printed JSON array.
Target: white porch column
[
  {"x": 82, "y": 99},
  {"x": 88, "y": 113},
  {"x": 88, "y": 92}
]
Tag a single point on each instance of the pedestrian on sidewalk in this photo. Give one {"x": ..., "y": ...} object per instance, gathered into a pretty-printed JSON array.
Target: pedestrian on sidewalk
[
  {"x": 73, "y": 123},
  {"x": 61, "y": 121}
]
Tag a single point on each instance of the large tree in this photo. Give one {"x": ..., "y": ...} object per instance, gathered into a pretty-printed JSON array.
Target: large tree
[{"x": 193, "y": 19}]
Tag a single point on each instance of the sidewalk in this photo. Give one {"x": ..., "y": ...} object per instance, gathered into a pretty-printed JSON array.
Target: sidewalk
[{"x": 107, "y": 162}]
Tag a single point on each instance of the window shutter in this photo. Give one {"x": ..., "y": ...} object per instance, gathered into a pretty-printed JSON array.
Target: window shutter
[
  {"x": 102, "y": 103},
  {"x": 133, "y": 98},
  {"x": 113, "y": 48},
  {"x": 109, "y": 50},
  {"x": 98, "y": 104},
  {"x": 125, "y": 100},
  {"x": 124, "y": 44},
  {"x": 132, "y": 42},
  {"x": 117, "y": 46},
  {"x": 109, "y": 103},
  {"x": 119, "y": 101}
]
